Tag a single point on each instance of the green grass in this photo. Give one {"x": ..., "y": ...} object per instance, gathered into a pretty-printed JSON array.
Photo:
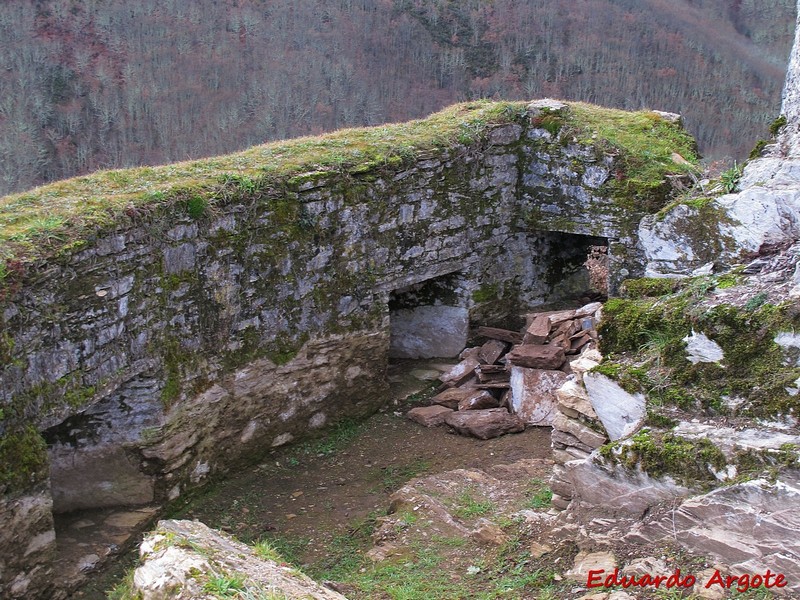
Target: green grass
[
  {"x": 539, "y": 495},
  {"x": 46, "y": 220},
  {"x": 61, "y": 217},
  {"x": 266, "y": 550},
  {"x": 224, "y": 586},
  {"x": 467, "y": 507}
]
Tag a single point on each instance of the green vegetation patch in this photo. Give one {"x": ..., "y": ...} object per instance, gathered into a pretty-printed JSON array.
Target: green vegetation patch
[
  {"x": 659, "y": 454},
  {"x": 23, "y": 460},
  {"x": 650, "y": 287},
  {"x": 645, "y": 338},
  {"x": 49, "y": 219},
  {"x": 645, "y": 144}
]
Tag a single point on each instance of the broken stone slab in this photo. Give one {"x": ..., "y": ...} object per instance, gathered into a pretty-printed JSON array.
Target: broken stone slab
[
  {"x": 562, "y": 439},
  {"x": 590, "y": 561},
  {"x": 572, "y": 400},
  {"x": 485, "y": 424},
  {"x": 453, "y": 397},
  {"x": 504, "y": 335},
  {"x": 493, "y": 376},
  {"x": 537, "y": 357},
  {"x": 585, "y": 434},
  {"x": 616, "y": 491},
  {"x": 533, "y": 394},
  {"x": 491, "y": 351},
  {"x": 537, "y": 331},
  {"x": 461, "y": 372},
  {"x": 621, "y": 412},
  {"x": 429, "y": 416},
  {"x": 479, "y": 400}
]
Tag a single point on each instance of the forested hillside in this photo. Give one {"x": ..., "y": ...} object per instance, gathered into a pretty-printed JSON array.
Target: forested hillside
[{"x": 107, "y": 83}]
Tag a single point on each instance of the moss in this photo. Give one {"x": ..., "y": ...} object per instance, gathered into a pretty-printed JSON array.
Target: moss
[
  {"x": 757, "y": 149},
  {"x": 776, "y": 126},
  {"x": 650, "y": 287},
  {"x": 660, "y": 454},
  {"x": 548, "y": 121},
  {"x": 23, "y": 459},
  {"x": 644, "y": 143},
  {"x": 486, "y": 293},
  {"x": 196, "y": 207}
]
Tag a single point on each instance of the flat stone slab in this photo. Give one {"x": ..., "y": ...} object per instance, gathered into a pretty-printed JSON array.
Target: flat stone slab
[
  {"x": 537, "y": 357},
  {"x": 429, "y": 416},
  {"x": 453, "y": 397},
  {"x": 485, "y": 424},
  {"x": 533, "y": 394}
]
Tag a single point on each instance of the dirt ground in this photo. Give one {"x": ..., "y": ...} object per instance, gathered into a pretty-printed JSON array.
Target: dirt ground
[{"x": 304, "y": 496}]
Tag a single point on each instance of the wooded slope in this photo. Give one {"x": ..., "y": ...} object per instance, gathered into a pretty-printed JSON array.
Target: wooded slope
[{"x": 108, "y": 83}]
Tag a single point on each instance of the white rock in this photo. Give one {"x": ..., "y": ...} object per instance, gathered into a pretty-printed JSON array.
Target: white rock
[
  {"x": 790, "y": 342},
  {"x": 620, "y": 412},
  {"x": 533, "y": 394},
  {"x": 429, "y": 332},
  {"x": 700, "y": 348}
]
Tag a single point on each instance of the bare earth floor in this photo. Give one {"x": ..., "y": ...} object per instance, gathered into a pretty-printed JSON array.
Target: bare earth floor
[{"x": 305, "y": 496}]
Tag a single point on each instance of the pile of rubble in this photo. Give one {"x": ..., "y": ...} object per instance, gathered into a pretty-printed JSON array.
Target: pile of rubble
[{"x": 510, "y": 382}]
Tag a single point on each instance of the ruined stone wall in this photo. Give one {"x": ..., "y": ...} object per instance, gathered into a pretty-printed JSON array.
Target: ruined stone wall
[{"x": 173, "y": 347}]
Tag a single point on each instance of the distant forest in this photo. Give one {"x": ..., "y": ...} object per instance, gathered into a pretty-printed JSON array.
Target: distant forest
[{"x": 97, "y": 84}]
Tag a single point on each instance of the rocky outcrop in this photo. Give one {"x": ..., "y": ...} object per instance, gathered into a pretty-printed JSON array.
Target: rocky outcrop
[
  {"x": 184, "y": 560},
  {"x": 764, "y": 211}
]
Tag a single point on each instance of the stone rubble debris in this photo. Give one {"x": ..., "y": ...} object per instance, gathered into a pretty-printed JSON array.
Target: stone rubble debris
[{"x": 511, "y": 381}]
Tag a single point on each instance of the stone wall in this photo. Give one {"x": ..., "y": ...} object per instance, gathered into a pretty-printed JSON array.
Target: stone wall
[{"x": 179, "y": 343}]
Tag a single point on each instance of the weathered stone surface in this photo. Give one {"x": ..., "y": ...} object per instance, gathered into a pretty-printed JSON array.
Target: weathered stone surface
[
  {"x": 572, "y": 400},
  {"x": 485, "y": 424},
  {"x": 564, "y": 439},
  {"x": 533, "y": 394},
  {"x": 749, "y": 526},
  {"x": 536, "y": 357},
  {"x": 620, "y": 412},
  {"x": 429, "y": 416},
  {"x": 590, "y": 561},
  {"x": 699, "y": 348},
  {"x": 29, "y": 539},
  {"x": 429, "y": 332},
  {"x": 616, "y": 491},
  {"x": 478, "y": 400},
  {"x": 179, "y": 553},
  {"x": 732, "y": 441},
  {"x": 100, "y": 476},
  {"x": 585, "y": 434}
]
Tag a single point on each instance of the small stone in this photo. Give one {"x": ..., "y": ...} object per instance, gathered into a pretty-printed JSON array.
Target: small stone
[
  {"x": 537, "y": 357},
  {"x": 590, "y": 561},
  {"x": 425, "y": 374},
  {"x": 489, "y": 534},
  {"x": 538, "y": 550},
  {"x": 429, "y": 416},
  {"x": 484, "y": 424}
]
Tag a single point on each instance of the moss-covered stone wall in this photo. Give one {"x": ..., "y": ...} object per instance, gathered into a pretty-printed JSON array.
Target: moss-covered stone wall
[{"x": 155, "y": 336}]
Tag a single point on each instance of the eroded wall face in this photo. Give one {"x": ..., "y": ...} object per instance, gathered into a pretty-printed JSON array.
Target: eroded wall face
[{"x": 180, "y": 346}]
